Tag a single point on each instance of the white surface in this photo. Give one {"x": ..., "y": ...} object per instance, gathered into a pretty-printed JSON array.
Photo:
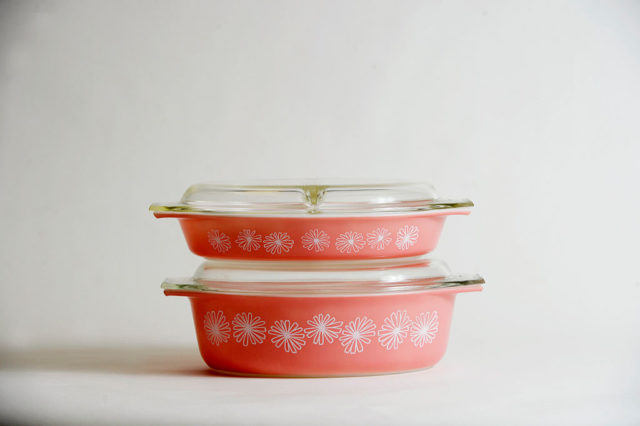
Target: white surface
[
  {"x": 529, "y": 109},
  {"x": 575, "y": 382}
]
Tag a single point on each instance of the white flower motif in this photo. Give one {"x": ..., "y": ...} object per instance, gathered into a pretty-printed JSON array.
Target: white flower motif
[
  {"x": 288, "y": 334},
  {"x": 424, "y": 328},
  {"x": 379, "y": 239},
  {"x": 248, "y": 240},
  {"x": 219, "y": 241},
  {"x": 323, "y": 328},
  {"x": 350, "y": 242},
  {"x": 278, "y": 242},
  {"x": 216, "y": 327},
  {"x": 407, "y": 236},
  {"x": 394, "y": 330},
  {"x": 315, "y": 239},
  {"x": 356, "y": 334},
  {"x": 248, "y": 328}
]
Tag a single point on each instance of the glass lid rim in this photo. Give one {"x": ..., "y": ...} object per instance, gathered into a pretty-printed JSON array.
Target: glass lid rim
[
  {"x": 303, "y": 289},
  {"x": 437, "y": 204}
]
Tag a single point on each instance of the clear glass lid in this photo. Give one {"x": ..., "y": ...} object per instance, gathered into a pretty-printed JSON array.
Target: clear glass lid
[
  {"x": 321, "y": 277},
  {"x": 309, "y": 198}
]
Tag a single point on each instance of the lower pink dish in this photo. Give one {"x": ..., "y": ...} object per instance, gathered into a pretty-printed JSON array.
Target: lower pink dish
[{"x": 358, "y": 328}]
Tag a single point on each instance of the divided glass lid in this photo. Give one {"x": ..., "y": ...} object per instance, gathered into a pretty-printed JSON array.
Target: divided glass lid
[
  {"x": 308, "y": 198},
  {"x": 321, "y": 277}
]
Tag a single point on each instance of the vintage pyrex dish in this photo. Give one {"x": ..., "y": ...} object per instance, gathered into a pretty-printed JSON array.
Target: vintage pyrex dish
[
  {"x": 311, "y": 221},
  {"x": 305, "y": 319}
]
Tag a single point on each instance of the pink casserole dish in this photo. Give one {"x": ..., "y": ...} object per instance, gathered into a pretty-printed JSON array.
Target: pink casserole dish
[
  {"x": 311, "y": 221},
  {"x": 302, "y": 319}
]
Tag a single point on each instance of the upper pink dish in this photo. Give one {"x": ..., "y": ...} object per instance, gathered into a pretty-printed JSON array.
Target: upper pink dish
[{"x": 311, "y": 221}]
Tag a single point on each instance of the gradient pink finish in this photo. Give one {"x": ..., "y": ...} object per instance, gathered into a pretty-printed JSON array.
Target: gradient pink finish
[
  {"x": 196, "y": 229},
  {"x": 328, "y": 359}
]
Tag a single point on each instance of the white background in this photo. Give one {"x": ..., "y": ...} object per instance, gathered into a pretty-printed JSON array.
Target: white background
[{"x": 531, "y": 109}]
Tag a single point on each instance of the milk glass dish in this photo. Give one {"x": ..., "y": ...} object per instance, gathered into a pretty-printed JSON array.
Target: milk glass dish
[
  {"x": 308, "y": 319},
  {"x": 311, "y": 221}
]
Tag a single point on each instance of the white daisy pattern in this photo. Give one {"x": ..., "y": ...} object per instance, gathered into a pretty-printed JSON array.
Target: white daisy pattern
[
  {"x": 356, "y": 334},
  {"x": 323, "y": 328},
  {"x": 315, "y": 240},
  {"x": 248, "y": 329},
  {"x": 278, "y": 243},
  {"x": 219, "y": 241},
  {"x": 424, "y": 328},
  {"x": 350, "y": 242},
  {"x": 249, "y": 240},
  {"x": 216, "y": 327},
  {"x": 379, "y": 239},
  {"x": 407, "y": 237},
  {"x": 394, "y": 330},
  {"x": 287, "y": 334}
]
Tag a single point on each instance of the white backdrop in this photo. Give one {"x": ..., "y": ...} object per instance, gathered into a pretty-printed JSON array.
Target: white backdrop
[{"x": 531, "y": 109}]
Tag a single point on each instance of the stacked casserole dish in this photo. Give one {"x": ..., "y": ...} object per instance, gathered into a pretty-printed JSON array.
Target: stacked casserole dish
[{"x": 317, "y": 280}]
